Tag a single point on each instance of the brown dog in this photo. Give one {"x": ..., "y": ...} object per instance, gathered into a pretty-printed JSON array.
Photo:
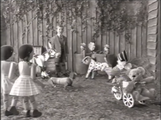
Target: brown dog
[{"x": 66, "y": 81}]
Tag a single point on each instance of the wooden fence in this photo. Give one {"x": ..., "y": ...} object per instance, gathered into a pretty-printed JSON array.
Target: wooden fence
[{"x": 36, "y": 37}]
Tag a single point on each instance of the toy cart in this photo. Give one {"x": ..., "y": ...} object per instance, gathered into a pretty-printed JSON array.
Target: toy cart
[
  {"x": 124, "y": 91},
  {"x": 120, "y": 94}
]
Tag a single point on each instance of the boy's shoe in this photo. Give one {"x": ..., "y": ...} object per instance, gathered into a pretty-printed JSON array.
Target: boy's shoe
[
  {"x": 7, "y": 113},
  {"x": 36, "y": 113},
  {"x": 13, "y": 111}
]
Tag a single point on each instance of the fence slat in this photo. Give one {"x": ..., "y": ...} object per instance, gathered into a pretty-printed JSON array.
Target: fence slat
[
  {"x": 35, "y": 30},
  {"x": 152, "y": 14},
  {"x": 40, "y": 35},
  {"x": 88, "y": 33},
  {"x": 122, "y": 42},
  {"x": 133, "y": 46},
  {"x": 84, "y": 37},
  {"x": 153, "y": 6},
  {"x": 71, "y": 51},
  {"x": 117, "y": 44},
  {"x": 139, "y": 42},
  {"x": 30, "y": 34},
  {"x": 151, "y": 1},
  {"x": 152, "y": 30},
  {"x": 15, "y": 36},
  {"x": 152, "y": 22},
  {"x": 104, "y": 41},
  {"x": 44, "y": 38},
  {"x": 112, "y": 43},
  {"x": 144, "y": 41},
  {"x": 79, "y": 35},
  {"x": 127, "y": 48},
  {"x": 108, "y": 37}
]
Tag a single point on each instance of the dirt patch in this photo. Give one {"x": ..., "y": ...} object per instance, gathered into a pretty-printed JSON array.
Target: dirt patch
[{"x": 87, "y": 100}]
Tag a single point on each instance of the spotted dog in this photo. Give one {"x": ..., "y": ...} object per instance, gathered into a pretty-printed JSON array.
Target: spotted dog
[{"x": 94, "y": 66}]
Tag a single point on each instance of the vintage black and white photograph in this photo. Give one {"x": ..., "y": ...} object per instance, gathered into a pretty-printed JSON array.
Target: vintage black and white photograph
[{"x": 80, "y": 60}]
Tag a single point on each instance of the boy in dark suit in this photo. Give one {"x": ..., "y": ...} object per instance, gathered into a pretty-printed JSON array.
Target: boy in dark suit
[{"x": 59, "y": 43}]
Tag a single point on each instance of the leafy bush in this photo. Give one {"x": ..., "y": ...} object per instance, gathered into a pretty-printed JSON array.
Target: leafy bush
[{"x": 111, "y": 15}]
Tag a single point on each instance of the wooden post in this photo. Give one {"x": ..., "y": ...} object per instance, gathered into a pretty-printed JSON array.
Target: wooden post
[
  {"x": 159, "y": 54},
  {"x": 71, "y": 51}
]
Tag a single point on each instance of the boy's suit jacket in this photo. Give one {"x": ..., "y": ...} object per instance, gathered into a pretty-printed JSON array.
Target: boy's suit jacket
[{"x": 56, "y": 45}]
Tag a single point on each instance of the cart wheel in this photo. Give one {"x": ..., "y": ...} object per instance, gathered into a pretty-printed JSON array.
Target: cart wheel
[
  {"x": 117, "y": 93},
  {"x": 128, "y": 100}
]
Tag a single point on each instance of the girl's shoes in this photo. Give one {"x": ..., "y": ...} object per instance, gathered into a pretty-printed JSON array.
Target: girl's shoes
[
  {"x": 7, "y": 113},
  {"x": 28, "y": 113},
  {"x": 13, "y": 111},
  {"x": 36, "y": 113}
]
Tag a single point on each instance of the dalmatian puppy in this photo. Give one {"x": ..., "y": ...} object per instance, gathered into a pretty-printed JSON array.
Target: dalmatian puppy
[{"x": 94, "y": 66}]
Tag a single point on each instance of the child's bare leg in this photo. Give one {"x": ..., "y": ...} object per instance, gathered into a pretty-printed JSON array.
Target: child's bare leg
[
  {"x": 13, "y": 109},
  {"x": 26, "y": 106},
  {"x": 6, "y": 104},
  {"x": 93, "y": 73},
  {"x": 5, "y": 101},
  {"x": 14, "y": 101},
  {"x": 33, "y": 102},
  {"x": 35, "y": 112},
  {"x": 88, "y": 72}
]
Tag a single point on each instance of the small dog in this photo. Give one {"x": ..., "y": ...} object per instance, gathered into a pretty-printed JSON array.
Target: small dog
[
  {"x": 66, "y": 81},
  {"x": 94, "y": 66}
]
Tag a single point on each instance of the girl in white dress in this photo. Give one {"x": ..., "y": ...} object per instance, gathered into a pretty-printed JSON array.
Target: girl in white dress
[
  {"x": 25, "y": 85},
  {"x": 6, "y": 81}
]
